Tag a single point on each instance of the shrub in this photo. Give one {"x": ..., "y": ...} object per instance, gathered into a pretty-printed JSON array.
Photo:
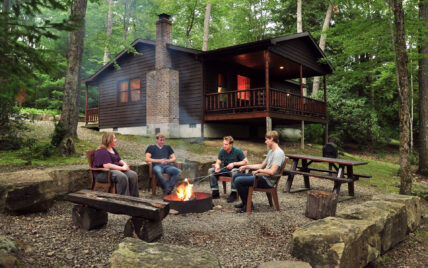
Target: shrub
[{"x": 11, "y": 126}]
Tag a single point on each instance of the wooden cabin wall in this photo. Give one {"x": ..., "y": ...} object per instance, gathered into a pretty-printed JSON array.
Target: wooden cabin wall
[
  {"x": 191, "y": 87},
  {"x": 112, "y": 113}
]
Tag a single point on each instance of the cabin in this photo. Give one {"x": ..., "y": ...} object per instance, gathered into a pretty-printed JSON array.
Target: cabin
[{"x": 241, "y": 90}]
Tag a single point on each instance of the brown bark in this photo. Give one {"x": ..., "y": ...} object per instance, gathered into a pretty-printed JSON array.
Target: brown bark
[
  {"x": 326, "y": 25},
  {"x": 401, "y": 65},
  {"x": 70, "y": 106},
  {"x": 128, "y": 5},
  {"x": 190, "y": 24},
  {"x": 206, "y": 26},
  {"x": 108, "y": 31},
  {"x": 423, "y": 89}
]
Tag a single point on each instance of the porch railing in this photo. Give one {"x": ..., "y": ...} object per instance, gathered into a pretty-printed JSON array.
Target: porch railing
[
  {"x": 92, "y": 115},
  {"x": 255, "y": 100}
]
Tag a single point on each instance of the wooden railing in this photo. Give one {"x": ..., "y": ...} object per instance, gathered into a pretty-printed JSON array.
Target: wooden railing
[
  {"x": 255, "y": 100},
  {"x": 92, "y": 115}
]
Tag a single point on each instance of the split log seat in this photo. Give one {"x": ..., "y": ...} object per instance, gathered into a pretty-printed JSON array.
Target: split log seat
[{"x": 146, "y": 214}]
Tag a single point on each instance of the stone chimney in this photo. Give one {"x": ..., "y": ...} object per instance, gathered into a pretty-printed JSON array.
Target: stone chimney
[
  {"x": 163, "y": 37},
  {"x": 162, "y": 86}
]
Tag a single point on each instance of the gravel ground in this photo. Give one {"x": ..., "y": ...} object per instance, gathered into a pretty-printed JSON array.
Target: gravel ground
[{"x": 238, "y": 240}]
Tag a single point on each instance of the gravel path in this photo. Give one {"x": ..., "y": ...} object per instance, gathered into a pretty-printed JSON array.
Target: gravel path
[{"x": 238, "y": 240}]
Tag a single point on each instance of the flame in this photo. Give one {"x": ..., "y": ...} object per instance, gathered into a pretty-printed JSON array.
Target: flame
[{"x": 185, "y": 191}]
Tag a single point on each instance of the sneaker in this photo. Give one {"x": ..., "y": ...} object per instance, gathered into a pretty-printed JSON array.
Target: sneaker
[
  {"x": 232, "y": 197},
  {"x": 239, "y": 205},
  {"x": 244, "y": 209},
  {"x": 215, "y": 194}
]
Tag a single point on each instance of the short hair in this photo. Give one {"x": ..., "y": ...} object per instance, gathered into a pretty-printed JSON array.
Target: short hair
[
  {"x": 107, "y": 139},
  {"x": 160, "y": 135},
  {"x": 273, "y": 135},
  {"x": 229, "y": 139}
]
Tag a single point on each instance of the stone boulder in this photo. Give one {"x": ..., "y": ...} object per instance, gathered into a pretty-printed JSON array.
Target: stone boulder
[
  {"x": 337, "y": 242},
  {"x": 7, "y": 250},
  {"x": 359, "y": 234},
  {"x": 68, "y": 179},
  {"x": 284, "y": 264},
  {"x": 137, "y": 253},
  {"x": 412, "y": 204},
  {"x": 26, "y": 191}
]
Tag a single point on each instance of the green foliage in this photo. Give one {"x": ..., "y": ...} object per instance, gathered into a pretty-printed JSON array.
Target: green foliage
[
  {"x": 314, "y": 133},
  {"x": 58, "y": 135},
  {"x": 27, "y": 110},
  {"x": 11, "y": 126},
  {"x": 32, "y": 149}
]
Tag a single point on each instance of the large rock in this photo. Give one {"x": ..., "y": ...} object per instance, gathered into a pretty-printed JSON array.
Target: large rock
[
  {"x": 359, "y": 234},
  {"x": 136, "y": 253},
  {"x": 337, "y": 242},
  {"x": 26, "y": 191},
  {"x": 284, "y": 264},
  {"x": 389, "y": 218},
  {"x": 68, "y": 179},
  {"x": 413, "y": 207}
]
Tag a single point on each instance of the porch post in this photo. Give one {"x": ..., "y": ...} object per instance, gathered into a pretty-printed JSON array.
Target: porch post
[
  {"x": 268, "y": 123},
  {"x": 302, "y": 106},
  {"x": 326, "y": 114},
  {"x": 86, "y": 104},
  {"x": 267, "y": 79}
]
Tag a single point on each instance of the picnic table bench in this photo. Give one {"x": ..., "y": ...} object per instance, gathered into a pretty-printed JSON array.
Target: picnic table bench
[
  {"x": 146, "y": 214},
  {"x": 340, "y": 171}
]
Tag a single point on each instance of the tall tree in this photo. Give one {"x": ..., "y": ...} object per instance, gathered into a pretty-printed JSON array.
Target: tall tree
[
  {"x": 316, "y": 84},
  {"x": 423, "y": 88},
  {"x": 191, "y": 21},
  {"x": 206, "y": 26},
  {"x": 401, "y": 67},
  {"x": 67, "y": 125},
  {"x": 109, "y": 30}
]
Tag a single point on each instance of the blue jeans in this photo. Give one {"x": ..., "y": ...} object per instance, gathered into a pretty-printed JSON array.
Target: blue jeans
[
  {"x": 173, "y": 172},
  {"x": 244, "y": 181},
  {"x": 223, "y": 172}
]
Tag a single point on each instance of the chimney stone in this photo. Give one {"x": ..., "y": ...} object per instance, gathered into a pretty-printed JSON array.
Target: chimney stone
[{"x": 163, "y": 37}]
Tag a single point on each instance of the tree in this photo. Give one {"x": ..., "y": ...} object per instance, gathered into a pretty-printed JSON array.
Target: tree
[
  {"x": 206, "y": 26},
  {"x": 67, "y": 125},
  {"x": 316, "y": 84},
  {"x": 423, "y": 88},
  {"x": 402, "y": 74},
  {"x": 109, "y": 28}
]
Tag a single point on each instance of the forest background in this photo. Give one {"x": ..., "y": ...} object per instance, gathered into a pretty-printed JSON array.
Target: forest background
[{"x": 363, "y": 92}]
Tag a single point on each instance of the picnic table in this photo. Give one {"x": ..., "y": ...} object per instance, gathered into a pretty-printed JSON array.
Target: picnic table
[{"x": 340, "y": 171}]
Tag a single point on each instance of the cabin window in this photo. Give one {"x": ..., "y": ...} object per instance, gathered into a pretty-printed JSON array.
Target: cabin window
[
  {"x": 220, "y": 88},
  {"x": 129, "y": 90},
  {"x": 243, "y": 84}
]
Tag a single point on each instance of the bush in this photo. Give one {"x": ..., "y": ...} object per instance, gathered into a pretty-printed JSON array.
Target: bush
[
  {"x": 28, "y": 110},
  {"x": 32, "y": 149},
  {"x": 11, "y": 126},
  {"x": 314, "y": 133}
]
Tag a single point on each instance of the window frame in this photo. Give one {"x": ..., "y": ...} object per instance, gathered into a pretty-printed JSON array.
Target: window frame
[{"x": 129, "y": 95}]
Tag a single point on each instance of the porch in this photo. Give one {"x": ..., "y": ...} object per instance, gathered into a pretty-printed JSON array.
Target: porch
[{"x": 261, "y": 103}]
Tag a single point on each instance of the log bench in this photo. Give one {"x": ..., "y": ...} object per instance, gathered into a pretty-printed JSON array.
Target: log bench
[{"x": 146, "y": 214}]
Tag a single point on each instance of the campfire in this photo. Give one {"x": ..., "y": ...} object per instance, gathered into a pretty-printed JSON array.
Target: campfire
[
  {"x": 185, "y": 191},
  {"x": 185, "y": 200}
]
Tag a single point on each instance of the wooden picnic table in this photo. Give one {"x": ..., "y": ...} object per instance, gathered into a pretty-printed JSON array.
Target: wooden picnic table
[{"x": 340, "y": 171}]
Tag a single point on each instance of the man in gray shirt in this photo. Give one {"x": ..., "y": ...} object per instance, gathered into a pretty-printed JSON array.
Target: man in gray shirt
[{"x": 270, "y": 167}]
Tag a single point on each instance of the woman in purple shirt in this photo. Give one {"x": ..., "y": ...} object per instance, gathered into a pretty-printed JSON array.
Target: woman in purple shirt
[{"x": 107, "y": 157}]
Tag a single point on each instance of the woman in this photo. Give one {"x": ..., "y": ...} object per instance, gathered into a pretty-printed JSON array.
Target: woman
[{"x": 107, "y": 157}]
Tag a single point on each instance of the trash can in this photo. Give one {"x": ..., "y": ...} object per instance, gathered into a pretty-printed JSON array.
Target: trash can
[{"x": 329, "y": 150}]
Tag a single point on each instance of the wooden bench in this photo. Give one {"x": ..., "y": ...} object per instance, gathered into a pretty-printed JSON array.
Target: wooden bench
[
  {"x": 321, "y": 176},
  {"x": 146, "y": 214},
  {"x": 356, "y": 176}
]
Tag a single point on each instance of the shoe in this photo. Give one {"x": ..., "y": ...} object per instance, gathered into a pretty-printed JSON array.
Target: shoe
[
  {"x": 242, "y": 208},
  {"x": 231, "y": 198},
  {"x": 239, "y": 205},
  {"x": 215, "y": 194}
]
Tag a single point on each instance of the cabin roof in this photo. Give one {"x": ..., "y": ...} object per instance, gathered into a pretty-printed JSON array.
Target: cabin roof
[{"x": 276, "y": 45}]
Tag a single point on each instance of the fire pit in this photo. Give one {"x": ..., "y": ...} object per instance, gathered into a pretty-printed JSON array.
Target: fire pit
[{"x": 187, "y": 201}]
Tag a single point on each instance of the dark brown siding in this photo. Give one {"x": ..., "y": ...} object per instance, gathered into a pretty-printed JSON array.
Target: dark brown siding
[
  {"x": 298, "y": 51},
  {"x": 113, "y": 113},
  {"x": 191, "y": 91}
]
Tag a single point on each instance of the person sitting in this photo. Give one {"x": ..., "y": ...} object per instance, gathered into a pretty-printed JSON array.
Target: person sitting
[
  {"x": 161, "y": 155},
  {"x": 265, "y": 171},
  {"x": 106, "y": 156},
  {"x": 232, "y": 157}
]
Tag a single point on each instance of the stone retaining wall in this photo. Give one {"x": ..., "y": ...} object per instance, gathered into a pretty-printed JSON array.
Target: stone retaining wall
[
  {"x": 34, "y": 190},
  {"x": 359, "y": 234}
]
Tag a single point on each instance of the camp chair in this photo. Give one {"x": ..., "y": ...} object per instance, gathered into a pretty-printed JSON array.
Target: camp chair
[
  {"x": 153, "y": 179},
  {"x": 109, "y": 186},
  {"x": 225, "y": 179},
  {"x": 270, "y": 192}
]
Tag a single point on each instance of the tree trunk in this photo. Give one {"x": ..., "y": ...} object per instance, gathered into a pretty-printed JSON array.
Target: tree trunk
[
  {"x": 299, "y": 16},
  {"x": 326, "y": 25},
  {"x": 190, "y": 24},
  {"x": 206, "y": 26},
  {"x": 423, "y": 91},
  {"x": 401, "y": 65},
  {"x": 108, "y": 31},
  {"x": 70, "y": 106}
]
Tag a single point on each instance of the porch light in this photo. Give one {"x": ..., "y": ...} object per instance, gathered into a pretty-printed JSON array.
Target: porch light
[
  {"x": 288, "y": 94},
  {"x": 281, "y": 67}
]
